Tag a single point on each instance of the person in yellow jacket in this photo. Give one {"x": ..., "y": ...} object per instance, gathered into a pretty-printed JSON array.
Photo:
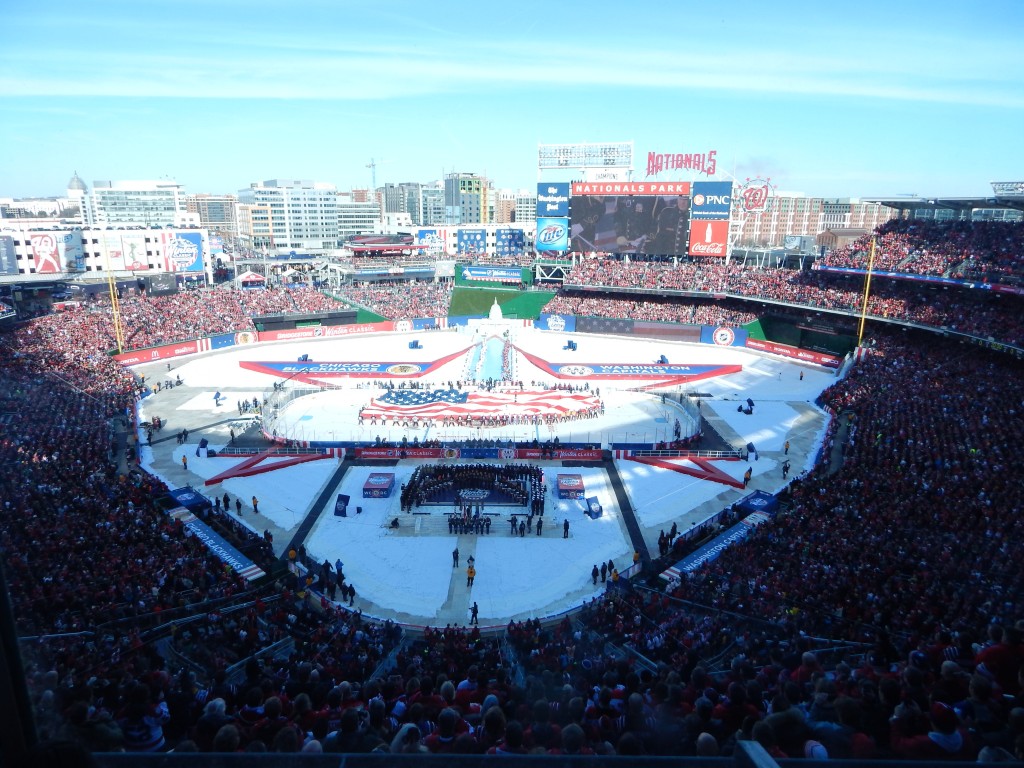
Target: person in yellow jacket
[
  {"x": 615, "y": 577},
  {"x": 470, "y": 575}
]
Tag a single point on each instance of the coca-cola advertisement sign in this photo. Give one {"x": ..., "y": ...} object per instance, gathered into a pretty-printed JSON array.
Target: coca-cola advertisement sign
[{"x": 709, "y": 238}]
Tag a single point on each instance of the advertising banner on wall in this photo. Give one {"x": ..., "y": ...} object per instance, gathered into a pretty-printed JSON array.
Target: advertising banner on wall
[
  {"x": 493, "y": 274},
  {"x": 73, "y": 251},
  {"x": 216, "y": 247},
  {"x": 326, "y": 332},
  {"x": 45, "y": 253},
  {"x": 785, "y": 350},
  {"x": 552, "y": 234},
  {"x": 711, "y": 199},
  {"x": 183, "y": 251},
  {"x": 630, "y": 221},
  {"x": 723, "y": 336},
  {"x": 472, "y": 242},
  {"x": 558, "y": 323},
  {"x": 113, "y": 252},
  {"x": 162, "y": 353},
  {"x": 8, "y": 256},
  {"x": 709, "y": 238},
  {"x": 553, "y": 200},
  {"x": 433, "y": 239},
  {"x": 133, "y": 247},
  {"x": 509, "y": 242}
]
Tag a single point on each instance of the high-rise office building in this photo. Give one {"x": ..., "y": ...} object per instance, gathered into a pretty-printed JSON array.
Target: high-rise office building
[
  {"x": 358, "y": 213},
  {"x": 135, "y": 204},
  {"x": 217, "y": 213},
  {"x": 423, "y": 202},
  {"x": 284, "y": 215},
  {"x": 514, "y": 206},
  {"x": 467, "y": 199}
]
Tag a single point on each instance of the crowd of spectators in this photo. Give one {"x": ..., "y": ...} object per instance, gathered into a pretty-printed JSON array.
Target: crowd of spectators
[
  {"x": 988, "y": 251},
  {"x": 909, "y": 552},
  {"x": 152, "y": 320},
  {"x": 978, "y": 313},
  {"x": 654, "y": 309},
  {"x": 401, "y": 300}
]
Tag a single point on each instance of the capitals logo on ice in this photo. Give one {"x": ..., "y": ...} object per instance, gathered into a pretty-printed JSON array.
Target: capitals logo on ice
[
  {"x": 576, "y": 370},
  {"x": 570, "y": 482}
]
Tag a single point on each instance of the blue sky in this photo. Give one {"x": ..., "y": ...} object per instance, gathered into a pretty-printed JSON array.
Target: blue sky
[{"x": 835, "y": 99}]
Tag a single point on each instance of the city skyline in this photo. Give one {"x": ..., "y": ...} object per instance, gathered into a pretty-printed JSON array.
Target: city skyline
[{"x": 847, "y": 101}]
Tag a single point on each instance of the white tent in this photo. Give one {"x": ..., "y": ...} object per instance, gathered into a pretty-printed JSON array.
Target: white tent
[{"x": 251, "y": 279}]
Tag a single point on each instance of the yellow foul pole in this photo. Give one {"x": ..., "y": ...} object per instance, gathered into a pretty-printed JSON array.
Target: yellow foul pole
[
  {"x": 867, "y": 293},
  {"x": 115, "y": 307}
]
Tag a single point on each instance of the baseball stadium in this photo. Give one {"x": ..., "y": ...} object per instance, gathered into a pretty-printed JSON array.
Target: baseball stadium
[{"x": 619, "y": 488}]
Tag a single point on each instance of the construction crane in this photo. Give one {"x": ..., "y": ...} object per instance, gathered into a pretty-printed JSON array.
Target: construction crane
[{"x": 372, "y": 165}]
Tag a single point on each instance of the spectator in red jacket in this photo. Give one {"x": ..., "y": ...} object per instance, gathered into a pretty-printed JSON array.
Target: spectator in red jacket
[{"x": 944, "y": 739}]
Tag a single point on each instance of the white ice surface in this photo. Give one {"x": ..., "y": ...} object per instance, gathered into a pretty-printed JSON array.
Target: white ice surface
[{"x": 412, "y": 574}]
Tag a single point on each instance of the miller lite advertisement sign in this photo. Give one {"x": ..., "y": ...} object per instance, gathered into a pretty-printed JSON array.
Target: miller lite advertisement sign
[
  {"x": 709, "y": 238},
  {"x": 552, "y": 234}
]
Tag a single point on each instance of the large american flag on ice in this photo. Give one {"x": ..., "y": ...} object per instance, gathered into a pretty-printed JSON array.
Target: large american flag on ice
[
  {"x": 439, "y": 403},
  {"x": 413, "y": 397}
]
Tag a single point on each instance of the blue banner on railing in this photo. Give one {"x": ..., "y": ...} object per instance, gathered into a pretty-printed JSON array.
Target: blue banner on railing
[
  {"x": 717, "y": 545},
  {"x": 213, "y": 541},
  {"x": 758, "y": 501},
  {"x": 191, "y": 499}
]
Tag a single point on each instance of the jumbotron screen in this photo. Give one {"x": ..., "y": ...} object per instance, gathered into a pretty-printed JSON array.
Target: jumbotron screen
[{"x": 630, "y": 217}]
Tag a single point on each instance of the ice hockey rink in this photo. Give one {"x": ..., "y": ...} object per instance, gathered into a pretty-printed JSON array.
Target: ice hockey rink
[{"x": 406, "y": 573}]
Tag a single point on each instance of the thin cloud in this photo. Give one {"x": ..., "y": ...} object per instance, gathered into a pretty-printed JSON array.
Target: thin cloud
[{"x": 337, "y": 67}]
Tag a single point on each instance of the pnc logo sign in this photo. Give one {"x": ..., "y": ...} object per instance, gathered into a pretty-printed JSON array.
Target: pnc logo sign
[{"x": 712, "y": 200}]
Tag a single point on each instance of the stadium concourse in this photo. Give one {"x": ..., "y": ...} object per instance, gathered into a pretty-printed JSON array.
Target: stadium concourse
[{"x": 400, "y": 561}]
